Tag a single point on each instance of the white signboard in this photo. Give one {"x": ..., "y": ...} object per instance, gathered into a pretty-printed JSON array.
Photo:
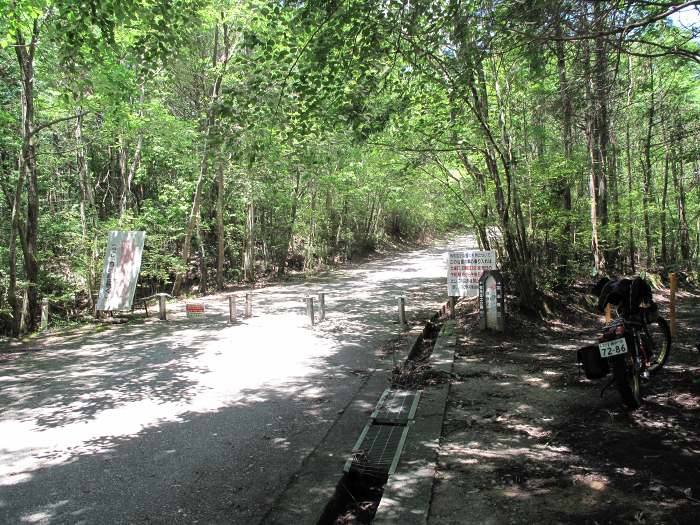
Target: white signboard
[
  {"x": 464, "y": 268},
  {"x": 121, "y": 270}
]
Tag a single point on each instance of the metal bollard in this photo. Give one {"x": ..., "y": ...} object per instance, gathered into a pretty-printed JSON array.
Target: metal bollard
[
  {"x": 44, "y": 313},
  {"x": 321, "y": 306},
  {"x": 402, "y": 310},
  {"x": 249, "y": 304},
  {"x": 162, "y": 313},
  {"x": 232, "y": 308},
  {"x": 310, "y": 309}
]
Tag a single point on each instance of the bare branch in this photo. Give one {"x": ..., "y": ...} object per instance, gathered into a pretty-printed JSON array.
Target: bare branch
[
  {"x": 50, "y": 123},
  {"x": 673, "y": 8}
]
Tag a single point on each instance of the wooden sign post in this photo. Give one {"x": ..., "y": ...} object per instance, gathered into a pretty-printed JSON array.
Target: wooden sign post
[
  {"x": 321, "y": 306},
  {"x": 310, "y": 310},
  {"x": 672, "y": 300}
]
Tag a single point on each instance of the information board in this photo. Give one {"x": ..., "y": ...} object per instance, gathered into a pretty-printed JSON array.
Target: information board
[
  {"x": 121, "y": 270},
  {"x": 464, "y": 268}
]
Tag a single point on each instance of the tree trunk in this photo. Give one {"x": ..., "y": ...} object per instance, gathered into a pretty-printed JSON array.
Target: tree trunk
[
  {"x": 646, "y": 197},
  {"x": 128, "y": 174},
  {"x": 122, "y": 156},
  {"x": 602, "y": 119},
  {"x": 498, "y": 158},
  {"x": 696, "y": 183},
  {"x": 594, "y": 178},
  {"x": 12, "y": 298},
  {"x": 249, "y": 254},
  {"x": 27, "y": 171},
  {"x": 204, "y": 164},
  {"x": 284, "y": 253},
  {"x": 194, "y": 210},
  {"x": 664, "y": 201},
  {"x": 679, "y": 184},
  {"x": 203, "y": 274},
  {"x": 628, "y": 163},
  {"x": 613, "y": 253},
  {"x": 368, "y": 221},
  {"x": 87, "y": 204},
  {"x": 480, "y": 180},
  {"x": 474, "y": 171},
  {"x": 341, "y": 225},
  {"x": 220, "y": 233},
  {"x": 309, "y": 259},
  {"x": 597, "y": 128},
  {"x": 567, "y": 132},
  {"x": 264, "y": 235}
]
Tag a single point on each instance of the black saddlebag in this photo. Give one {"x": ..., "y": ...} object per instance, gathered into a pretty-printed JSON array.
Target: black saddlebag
[{"x": 593, "y": 365}]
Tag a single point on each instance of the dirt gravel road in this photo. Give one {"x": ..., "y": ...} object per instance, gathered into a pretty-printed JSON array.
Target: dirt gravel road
[{"x": 527, "y": 440}]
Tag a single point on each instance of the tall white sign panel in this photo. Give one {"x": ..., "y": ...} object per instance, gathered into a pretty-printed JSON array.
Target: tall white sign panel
[
  {"x": 121, "y": 270},
  {"x": 464, "y": 268}
]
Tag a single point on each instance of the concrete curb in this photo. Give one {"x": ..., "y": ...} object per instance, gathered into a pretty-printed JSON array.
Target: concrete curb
[
  {"x": 308, "y": 492},
  {"x": 323, "y": 468},
  {"x": 408, "y": 493}
]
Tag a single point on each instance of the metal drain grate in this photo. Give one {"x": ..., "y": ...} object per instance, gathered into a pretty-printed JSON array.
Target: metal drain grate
[
  {"x": 396, "y": 407},
  {"x": 378, "y": 450},
  {"x": 381, "y": 442}
]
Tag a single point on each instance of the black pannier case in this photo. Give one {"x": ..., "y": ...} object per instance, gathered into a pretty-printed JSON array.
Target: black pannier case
[{"x": 593, "y": 365}]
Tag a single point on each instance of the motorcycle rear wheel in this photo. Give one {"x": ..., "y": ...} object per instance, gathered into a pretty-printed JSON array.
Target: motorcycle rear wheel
[
  {"x": 657, "y": 342},
  {"x": 627, "y": 381}
]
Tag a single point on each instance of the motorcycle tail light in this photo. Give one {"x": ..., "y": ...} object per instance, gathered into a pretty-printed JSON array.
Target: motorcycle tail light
[{"x": 620, "y": 330}]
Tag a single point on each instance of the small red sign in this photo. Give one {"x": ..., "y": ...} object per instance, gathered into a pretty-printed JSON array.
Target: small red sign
[{"x": 194, "y": 309}]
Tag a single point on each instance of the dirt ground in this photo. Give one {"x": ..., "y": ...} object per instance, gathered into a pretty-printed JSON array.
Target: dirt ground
[{"x": 527, "y": 439}]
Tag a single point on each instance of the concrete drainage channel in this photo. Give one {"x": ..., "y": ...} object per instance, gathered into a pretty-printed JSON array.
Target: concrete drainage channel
[{"x": 375, "y": 456}]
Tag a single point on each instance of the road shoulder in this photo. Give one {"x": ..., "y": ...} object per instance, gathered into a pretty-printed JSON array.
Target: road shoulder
[{"x": 527, "y": 440}]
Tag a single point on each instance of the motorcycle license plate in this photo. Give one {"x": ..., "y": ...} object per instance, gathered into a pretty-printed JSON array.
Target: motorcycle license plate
[{"x": 611, "y": 348}]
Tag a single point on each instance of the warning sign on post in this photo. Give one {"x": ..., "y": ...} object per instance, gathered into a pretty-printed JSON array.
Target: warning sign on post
[{"x": 464, "y": 268}]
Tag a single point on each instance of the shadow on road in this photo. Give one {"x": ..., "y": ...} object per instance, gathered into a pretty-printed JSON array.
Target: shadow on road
[{"x": 196, "y": 420}]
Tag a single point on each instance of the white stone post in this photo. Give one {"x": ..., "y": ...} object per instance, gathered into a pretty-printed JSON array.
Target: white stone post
[
  {"x": 402, "y": 309},
  {"x": 44, "y": 313},
  {"x": 232, "y": 308},
  {"x": 249, "y": 304},
  {"x": 162, "y": 309}
]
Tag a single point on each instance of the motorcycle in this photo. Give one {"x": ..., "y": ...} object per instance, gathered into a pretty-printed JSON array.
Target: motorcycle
[{"x": 634, "y": 348}]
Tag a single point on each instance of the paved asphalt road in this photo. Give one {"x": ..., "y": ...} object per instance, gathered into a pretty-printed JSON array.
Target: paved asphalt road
[{"x": 196, "y": 421}]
